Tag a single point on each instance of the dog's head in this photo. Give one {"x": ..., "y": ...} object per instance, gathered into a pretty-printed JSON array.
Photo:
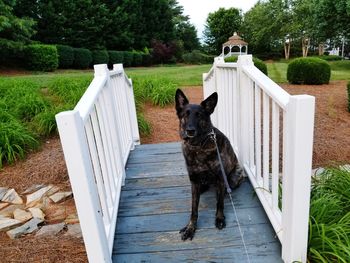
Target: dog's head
[{"x": 194, "y": 119}]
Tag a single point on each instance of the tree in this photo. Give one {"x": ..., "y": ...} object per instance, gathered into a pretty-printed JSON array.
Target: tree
[{"x": 220, "y": 25}]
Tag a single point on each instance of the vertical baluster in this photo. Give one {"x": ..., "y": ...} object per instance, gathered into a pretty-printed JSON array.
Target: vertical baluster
[
  {"x": 266, "y": 136},
  {"x": 251, "y": 125},
  {"x": 257, "y": 129},
  {"x": 275, "y": 154}
]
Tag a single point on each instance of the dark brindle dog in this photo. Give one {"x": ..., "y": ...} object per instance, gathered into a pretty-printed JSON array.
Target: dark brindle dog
[{"x": 201, "y": 158}]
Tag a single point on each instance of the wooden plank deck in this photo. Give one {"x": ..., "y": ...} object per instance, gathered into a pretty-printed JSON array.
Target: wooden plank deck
[{"x": 156, "y": 201}]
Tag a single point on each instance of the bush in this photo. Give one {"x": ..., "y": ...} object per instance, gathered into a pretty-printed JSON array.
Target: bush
[
  {"x": 349, "y": 96},
  {"x": 82, "y": 58},
  {"x": 65, "y": 56},
  {"x": 100, "y": 57},
  {"x": 137, "y": 59},
  {"x": 146, "y": 59},
  {"x": 257, "y": 63},
  {"x": 11, "y": 52},
  {"x": 196, "y": 57},
  {"x": 128, "y": 58},
  {"x": 115, "y": 57},
  {"x": 308, "y": 71},
  {"x": 41, "y": 57},
  {"x": 329, "y": 57}
]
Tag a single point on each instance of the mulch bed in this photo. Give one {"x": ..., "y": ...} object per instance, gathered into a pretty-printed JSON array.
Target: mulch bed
[{"x": 331, "y": 146}]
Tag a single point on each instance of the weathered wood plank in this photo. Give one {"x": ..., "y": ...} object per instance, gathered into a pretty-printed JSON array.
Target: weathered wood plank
[
  {"x": 225, "y": 254},
  {"x": 156, "y": 182},
  {"x": 175, "y": 221},
  {"x": 254, "y": 235}
]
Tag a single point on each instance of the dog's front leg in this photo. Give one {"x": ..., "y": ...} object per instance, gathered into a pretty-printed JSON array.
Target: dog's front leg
[
  {"x": 190, "y": 228},
  {"x": 220, "y": 196}
]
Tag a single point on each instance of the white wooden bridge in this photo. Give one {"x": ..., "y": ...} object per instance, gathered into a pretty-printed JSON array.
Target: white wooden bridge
[{"x": 132, "y": 199}]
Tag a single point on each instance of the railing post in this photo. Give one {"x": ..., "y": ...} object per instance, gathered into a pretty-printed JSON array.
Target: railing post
[
  {"x": 243, "y": 99},
  {"x": 132, "y": 109},
  {"x": 81, "y": 175},
  {"x": 299, "y": 124}
]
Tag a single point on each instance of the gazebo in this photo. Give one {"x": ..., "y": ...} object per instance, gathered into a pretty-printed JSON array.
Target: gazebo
[{"x": 236, "y": 46}]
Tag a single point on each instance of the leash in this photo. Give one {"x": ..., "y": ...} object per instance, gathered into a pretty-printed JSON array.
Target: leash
[{"x": 228, "y": 189}]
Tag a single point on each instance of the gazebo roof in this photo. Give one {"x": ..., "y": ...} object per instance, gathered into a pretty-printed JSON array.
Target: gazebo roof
[{"x": 235, "y": 40}]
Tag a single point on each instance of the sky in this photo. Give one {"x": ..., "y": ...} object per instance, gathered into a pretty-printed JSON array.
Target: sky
[{"x": 198, "y": 10}]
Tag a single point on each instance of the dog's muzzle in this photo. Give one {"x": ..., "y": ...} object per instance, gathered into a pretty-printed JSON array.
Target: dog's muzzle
[{"x": 190, "y": 133}]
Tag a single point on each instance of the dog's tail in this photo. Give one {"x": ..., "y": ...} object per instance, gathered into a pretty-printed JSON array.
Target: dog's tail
[{"x": 236, "y": 177}]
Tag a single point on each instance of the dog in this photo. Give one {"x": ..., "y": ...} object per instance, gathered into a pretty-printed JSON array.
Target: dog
[{"x": 200, "y": 153}]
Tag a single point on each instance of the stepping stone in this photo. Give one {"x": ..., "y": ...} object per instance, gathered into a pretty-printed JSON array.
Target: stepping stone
[
  {"x": 3, "y": 205},
  {"x": 8, "y": 211},
  {"x": 27, "y": 228},
  {"x": 3, "y": 191},
  {"x": 37, "y": 212},
  {"x": 12, "y": 197},
  {"x": 50, "y": 230},
  {"x": 8, "y": 223},
  {"x": 72, "y": 219},
  {"x": 34, "y": 198},
  {"x": 60, "y": 196},
  {"x": 22, "y": 215},
  {"x": 33, "y": 189},
  {"x": 74, "y": 231}
]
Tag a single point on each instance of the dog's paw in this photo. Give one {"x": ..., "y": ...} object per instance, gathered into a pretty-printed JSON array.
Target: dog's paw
[
  {"x": 187, "y": 232},
  {"x": 220, "y": 223}
]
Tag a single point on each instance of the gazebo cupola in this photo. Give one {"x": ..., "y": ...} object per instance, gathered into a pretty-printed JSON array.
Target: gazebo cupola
[{"x": 235, "y": 46}]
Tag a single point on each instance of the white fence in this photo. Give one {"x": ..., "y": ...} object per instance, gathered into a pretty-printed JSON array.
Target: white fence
[
  {"x": 97, "y": 137},
  {"x": 272, "y": 135}
]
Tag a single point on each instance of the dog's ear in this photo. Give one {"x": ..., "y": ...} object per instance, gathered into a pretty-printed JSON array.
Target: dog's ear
[
  {"x": 209, "y": 103},
  {"x": 181, "y": 101}
]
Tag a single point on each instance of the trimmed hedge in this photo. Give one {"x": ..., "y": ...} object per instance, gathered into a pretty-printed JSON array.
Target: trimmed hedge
[
  {"x": 146, "y": 59},
  {"x": 349, "y": 96},
  {"x": 330, "y": 57},
  {"x": 115, "y": 57},
  {"x": 308, "y": 71},
  {"x": 41, "y": 57},
  {"x": 65, "y": 56},
  {"x": 100, "y": 57},
  {"x": 257, "y": 63},
  {"x": 137, "y": 59},
  {"x": 82, "y": 58},
  {"x": 128, "y": 58},
  {"x": 197, "y": 57}
]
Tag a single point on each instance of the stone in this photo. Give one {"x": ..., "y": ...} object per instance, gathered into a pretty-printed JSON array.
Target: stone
[
  {"x": 33, "y": 189},
  {"x": 8, "y": 211},
  {"x": 53, "y": 190},
  {"x": 3, "y": 191},
  {"x": 72, "y": 219},
  {"x": 345, "y": 167},
  {"x": 8, "y": 223},
  {"x": 37, "y": 212},
  {"x": 50, "y": 230},
  {"x": 58, "y": 214},
  {"x": 24, "y": 229},
  {"x": 74, "y": 231},
  {"x": 318, "y": 171},
  {"x": 3, "y": 205},
  {"x": 60, "y": 196},
  {"x": 22, "y": 215},
  {"x": 34, "y": 198},
  {"x": 12, "y": 197}
]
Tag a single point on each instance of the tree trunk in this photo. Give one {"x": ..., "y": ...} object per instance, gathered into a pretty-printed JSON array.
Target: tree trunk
[
  {"x": 286, "y": 50},
  {"x": 321, "y": 49}
]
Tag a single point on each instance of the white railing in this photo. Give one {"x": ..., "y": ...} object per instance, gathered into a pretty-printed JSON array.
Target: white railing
[
  {"x": 96, "y": 138},
  {"x": 272, "y": 135}
]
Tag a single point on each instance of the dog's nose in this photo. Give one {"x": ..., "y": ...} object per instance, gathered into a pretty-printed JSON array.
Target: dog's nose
[{"x": 191, "y": 132}]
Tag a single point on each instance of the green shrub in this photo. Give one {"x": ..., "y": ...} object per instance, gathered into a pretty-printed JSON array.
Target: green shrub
[
  {"x": 308, "y": 71},
  {"x": 115, "y": 57},
  {"x": 100, "y": 57},
  {"x": 11, "y": 52},
  {"x": 146, "y": 59},
  {"x": 65, "y": 56},
  {"x": 329, "y": 57},
  {"x": 349, "y": 96},
  {"x": 137, "y": 59},
  {"x": 257, "y": 63},
  {"x": 128, "y": 58},
  {"x": 196, "y": 57},
  {"x": 41, "y": 57},
  {"x": 82, "y": 58},
  {"x": 329, "y": 223},
  {"x": 144, "y": 126},
  {"x": 30, "y": 105}
]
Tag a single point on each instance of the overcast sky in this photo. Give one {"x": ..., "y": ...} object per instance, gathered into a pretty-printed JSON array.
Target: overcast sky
[{"x": 198, "y": 10}]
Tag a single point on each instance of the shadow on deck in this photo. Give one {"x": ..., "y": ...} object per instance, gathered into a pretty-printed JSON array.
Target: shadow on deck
[{"x": 156, "y": 202}]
